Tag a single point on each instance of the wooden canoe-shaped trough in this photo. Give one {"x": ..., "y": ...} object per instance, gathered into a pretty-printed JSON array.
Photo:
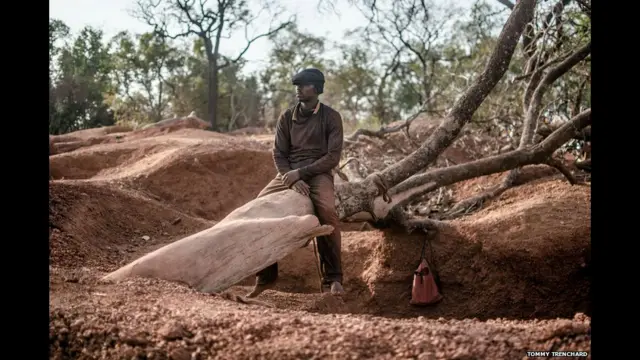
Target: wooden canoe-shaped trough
[{"x": 255, "y": 235}]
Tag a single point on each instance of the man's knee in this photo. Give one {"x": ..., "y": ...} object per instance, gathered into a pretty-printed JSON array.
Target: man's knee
[{"x": 275, "y": 185}]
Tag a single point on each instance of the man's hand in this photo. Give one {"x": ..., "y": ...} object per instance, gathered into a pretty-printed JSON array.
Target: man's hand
[
  {"x": 301, "y": 187},
  {"x": 291, "y": 177}
]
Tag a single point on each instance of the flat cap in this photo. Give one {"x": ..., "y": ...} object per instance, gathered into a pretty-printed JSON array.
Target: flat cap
[{"x": 307, "y": 77}]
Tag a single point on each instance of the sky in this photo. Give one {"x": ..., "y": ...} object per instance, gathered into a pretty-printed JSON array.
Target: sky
[{"x": 112, "y": 17}]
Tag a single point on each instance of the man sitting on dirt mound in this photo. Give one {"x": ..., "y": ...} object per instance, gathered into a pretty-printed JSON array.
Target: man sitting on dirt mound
[{"x": 308, "y": 145}]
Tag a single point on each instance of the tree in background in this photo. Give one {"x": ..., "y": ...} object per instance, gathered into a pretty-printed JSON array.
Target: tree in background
[
  {"x": 209, "y": 22},
  {"x": 142, "y": 64},
  {"x": 416, "y": 63},
  {"x": 80, "y": 80}
]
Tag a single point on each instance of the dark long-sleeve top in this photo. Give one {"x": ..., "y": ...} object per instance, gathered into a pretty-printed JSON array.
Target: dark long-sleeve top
[{"x": 305, "y": 142}]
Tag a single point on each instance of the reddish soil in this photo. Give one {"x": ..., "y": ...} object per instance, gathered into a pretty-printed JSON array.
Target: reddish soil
[
  {"x": 201, "y": 173},
  {"x": 116, "y": 134},
  {"x": 529, "y": 174},
  {"x": 514, "y": 275},
  {"x": 89, "y": 133},
  {"x": 253, "y": 130},
  {"x": 97, "y": 225},
  {"x": 152, "y": 319}
]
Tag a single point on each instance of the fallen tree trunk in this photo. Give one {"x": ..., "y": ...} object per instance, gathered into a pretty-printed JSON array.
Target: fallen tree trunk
[{"x": 249, "y": 239}]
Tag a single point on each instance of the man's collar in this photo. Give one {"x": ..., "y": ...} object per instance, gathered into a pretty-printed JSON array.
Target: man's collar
[{"x": 295, "y": 110}]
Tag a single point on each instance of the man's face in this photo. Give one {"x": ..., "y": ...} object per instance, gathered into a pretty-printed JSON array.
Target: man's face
[{"x": 305, "y": 92}]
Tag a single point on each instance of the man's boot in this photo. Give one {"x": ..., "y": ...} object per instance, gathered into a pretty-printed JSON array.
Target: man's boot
[
  {"x": 259, "y": 288},
  {"x": 265, "y": 280},
  {"x": 334, "y": 287}
]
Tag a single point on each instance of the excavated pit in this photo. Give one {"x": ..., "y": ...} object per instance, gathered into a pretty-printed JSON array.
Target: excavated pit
[{"x": 496, "y": 263}]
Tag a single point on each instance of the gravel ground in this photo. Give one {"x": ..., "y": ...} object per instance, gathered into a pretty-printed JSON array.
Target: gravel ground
[{"x": 153, "y": 319}]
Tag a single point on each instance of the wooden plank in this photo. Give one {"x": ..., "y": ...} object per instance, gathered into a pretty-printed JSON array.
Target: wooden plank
[{"x": 255, "y": 235}]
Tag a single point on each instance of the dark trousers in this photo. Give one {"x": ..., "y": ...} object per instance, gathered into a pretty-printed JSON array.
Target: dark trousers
[{"x": 323, "y": 198}]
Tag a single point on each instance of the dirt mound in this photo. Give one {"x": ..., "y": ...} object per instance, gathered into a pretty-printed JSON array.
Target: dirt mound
[
  {"x": 59, "y": 144},
  {"x": 128, "y": 153},
  {"x": 118, "y": 134},
  {"x": 500, "y": 262},
  {"x": 64, "y": 147},
  {"x": 200, "y": 173},
  {"x": 529, "y": 174},
  {"x": 87, "y": 134},
  {"x": 95, "y": 225},
  {"x": 251, "y": 130},
  {"x": 92, "y": 161},
  {"x": 168, "y": 126},
  {"x": 205, "y": 183},
  {"x": 154, "y": 319}
]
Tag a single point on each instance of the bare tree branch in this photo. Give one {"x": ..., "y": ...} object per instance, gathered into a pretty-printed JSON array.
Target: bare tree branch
[
  {"x": 576, "y": 104},
  {"x": 531, "y": 155},
  {"x": 506, "y": 3},
  {"x": 420, "y": 184},
  {"x": 469, "y": 102},
  {"x": 553, "y": 162},
  {"x": 533, "y": 112},
  {"x": 546, "y": 130},
  {"x": 252, "y": 40},
  {"x": 380, "y": 133}
]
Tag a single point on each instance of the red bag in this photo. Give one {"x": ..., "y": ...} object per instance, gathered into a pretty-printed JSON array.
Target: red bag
[{"x": 425, "y": 290}]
